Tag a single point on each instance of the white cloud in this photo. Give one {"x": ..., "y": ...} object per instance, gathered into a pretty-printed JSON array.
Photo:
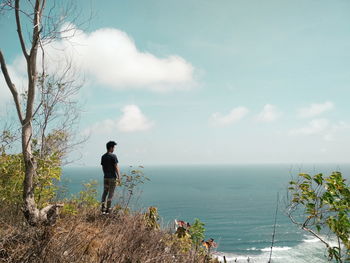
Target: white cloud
[
  {"x": 4, "y": 93},
  {"x": 315, "y": 126},
  {"x": 233, "y": 116},
  {"x": 110, "y": 57},
  {"x": 107, "y": 57},
  {"x": 334, "y": 129},
  {"x": 18, "y": 78},
  {"x": 103, "y": 127},
  {"x": 322, "y": 127},
  {"x": 133, "y": 120},
  {"x": 269, "y": 113},
  {"x": 315, "y": 109}
]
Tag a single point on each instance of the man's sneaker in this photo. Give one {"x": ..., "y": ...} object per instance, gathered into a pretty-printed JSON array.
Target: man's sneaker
[
  {"x": 103, "y": 208},
  {"x": 108, "y": 211}
]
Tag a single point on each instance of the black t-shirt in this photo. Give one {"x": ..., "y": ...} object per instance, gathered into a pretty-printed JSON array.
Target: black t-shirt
[{"x": 108, "y": 162}]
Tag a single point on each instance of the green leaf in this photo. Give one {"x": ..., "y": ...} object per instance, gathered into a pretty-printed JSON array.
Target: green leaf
[
  {"x": 318, "y": 179},
  {"x": 318, "y": 227},
  {"x": 306, "y": 176}
]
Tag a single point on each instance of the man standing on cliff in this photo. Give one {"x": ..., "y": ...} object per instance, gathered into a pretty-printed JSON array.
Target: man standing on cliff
[{"x": 109, "y": 162}]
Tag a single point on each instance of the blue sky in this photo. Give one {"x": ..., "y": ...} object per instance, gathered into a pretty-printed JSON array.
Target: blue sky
[{"x": 211, "y": 82}]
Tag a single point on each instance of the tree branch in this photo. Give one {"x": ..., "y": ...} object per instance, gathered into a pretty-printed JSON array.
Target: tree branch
[
  {"x": 19, "y": 30},
  {"x": 36, "y": 26},
  {"x": 31, "y": 62},
  {"x": 11, "y": 86},
  {"x": 316, "y": 235}
]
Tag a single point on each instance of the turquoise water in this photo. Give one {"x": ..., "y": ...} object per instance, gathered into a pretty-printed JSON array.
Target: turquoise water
[{"x": 236, "y": 203}]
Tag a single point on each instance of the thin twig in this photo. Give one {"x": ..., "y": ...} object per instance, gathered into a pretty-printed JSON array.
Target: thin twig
[{"x": 274, "y": 228}]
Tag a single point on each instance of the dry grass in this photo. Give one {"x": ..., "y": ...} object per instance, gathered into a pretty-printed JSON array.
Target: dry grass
[{"x": 90, "y": 237}]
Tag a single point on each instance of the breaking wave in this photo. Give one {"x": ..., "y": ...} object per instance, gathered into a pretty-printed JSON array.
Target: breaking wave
[{"x": 310, "y": 250}]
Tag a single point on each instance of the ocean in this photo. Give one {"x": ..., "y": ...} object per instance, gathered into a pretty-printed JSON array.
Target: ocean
[{"x": 237, "y": 203}]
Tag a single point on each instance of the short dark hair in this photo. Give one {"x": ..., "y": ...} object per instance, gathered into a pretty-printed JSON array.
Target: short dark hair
[{"x": 110, "y": 144}]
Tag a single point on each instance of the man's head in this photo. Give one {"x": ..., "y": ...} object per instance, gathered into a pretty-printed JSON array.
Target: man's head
[{"x": 110, "y": 146}]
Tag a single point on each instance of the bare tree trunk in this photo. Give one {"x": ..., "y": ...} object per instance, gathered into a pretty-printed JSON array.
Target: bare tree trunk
[
  {"x": 31, "y": 212},
  {"x": 43, "y": 27},
  {"x": 33, "y": 215},
  {"x": 30, "y": 209}
]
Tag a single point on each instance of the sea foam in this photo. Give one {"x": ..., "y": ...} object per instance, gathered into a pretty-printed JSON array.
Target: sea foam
[
  {"x": 267, "y": 249},
  {"x": 308, "y": 251}
]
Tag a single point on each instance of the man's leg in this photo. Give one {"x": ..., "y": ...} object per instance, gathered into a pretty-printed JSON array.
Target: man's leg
[
  {"x": 111, "y": 188},
  {"x": 104, "y": 194}
]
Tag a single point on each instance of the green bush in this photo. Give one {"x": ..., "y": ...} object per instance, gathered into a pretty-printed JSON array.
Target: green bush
[
  {"x": 129, "y": 182},
  {"x": 197, "y": 231},
  {"x": 86, "y": 198},
  {"x": 324, "y": 203},
  {"x": 12, "y": 176}
]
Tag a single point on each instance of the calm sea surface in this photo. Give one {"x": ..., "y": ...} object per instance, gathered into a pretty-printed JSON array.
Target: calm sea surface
[{"x": 236, "y": 203}]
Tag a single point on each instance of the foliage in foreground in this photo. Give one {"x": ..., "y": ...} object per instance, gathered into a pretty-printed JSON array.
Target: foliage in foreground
[
  {"x": 12, "y": 175},
  {"x": 321, "y": 204},
  {"x": 83, "y": 234},
  {"x": 196, "y": 232},
  {"x": 89, "y": 236}
]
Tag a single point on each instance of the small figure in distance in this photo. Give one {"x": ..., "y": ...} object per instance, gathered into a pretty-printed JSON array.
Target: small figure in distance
[
  {"x": 110, "y": 167},
  {"x": 182, "y": 228},
  {"x": 209, "y": 244}
]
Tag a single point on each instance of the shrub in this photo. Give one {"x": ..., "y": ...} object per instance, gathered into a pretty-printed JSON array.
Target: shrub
[
  {"x": 92, "y": 237},
  {"x": 320, "y": 203},
  {"x": 12, "y": 176},
  {"x": 197, "y": 231}
]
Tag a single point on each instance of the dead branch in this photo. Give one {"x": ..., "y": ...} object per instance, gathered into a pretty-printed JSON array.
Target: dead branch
[
  {"x": 50, "y": 118},
  {"x": 11, "y": 86},
  {"x": 19, "y": 30}
]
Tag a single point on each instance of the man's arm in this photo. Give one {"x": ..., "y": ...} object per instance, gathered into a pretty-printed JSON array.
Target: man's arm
[{"x": 118, "y": 171}]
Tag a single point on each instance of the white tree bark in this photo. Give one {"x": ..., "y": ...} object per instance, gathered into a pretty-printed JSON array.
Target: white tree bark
[{"x": 33, "y": 215}]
